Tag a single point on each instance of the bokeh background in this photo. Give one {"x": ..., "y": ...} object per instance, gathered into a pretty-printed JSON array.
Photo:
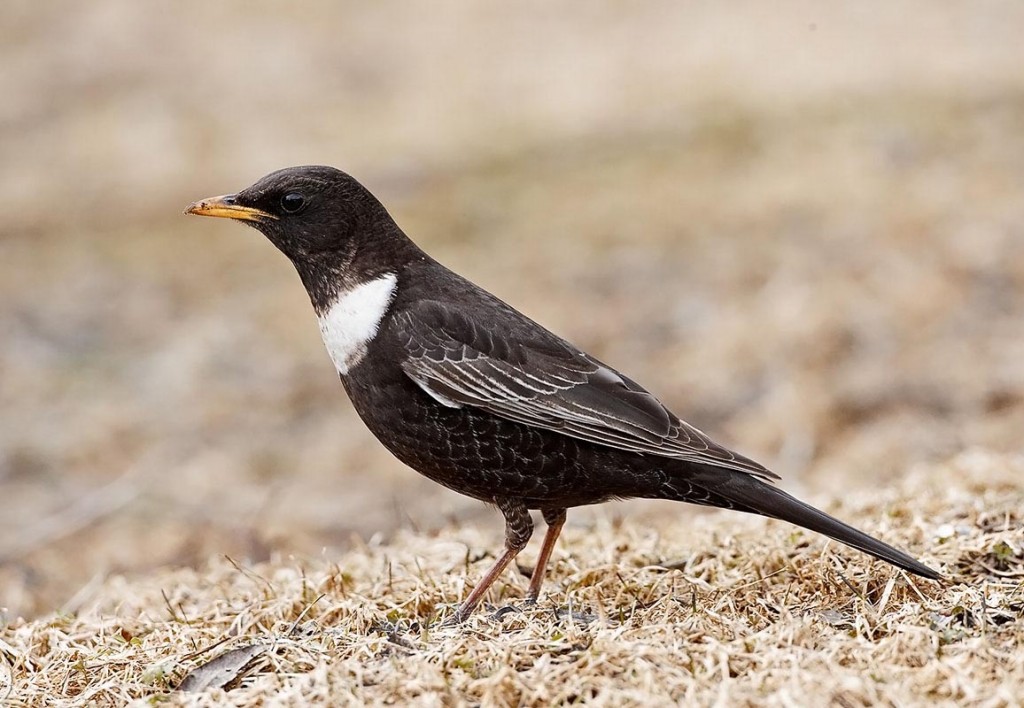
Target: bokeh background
[{"x": 801, "y": 224}]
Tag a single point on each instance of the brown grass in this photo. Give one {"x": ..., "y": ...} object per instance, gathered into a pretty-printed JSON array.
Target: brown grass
[{"x": 722, "y": 608}]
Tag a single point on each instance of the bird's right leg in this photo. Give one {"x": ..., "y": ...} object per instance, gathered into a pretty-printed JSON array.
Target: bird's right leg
[{"x": 518, "y": 529}]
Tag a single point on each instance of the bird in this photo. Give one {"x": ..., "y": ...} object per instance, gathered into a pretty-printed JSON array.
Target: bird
[{"x": 478, "y": 397}]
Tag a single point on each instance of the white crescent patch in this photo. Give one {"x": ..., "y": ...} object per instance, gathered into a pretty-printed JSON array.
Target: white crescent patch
[{"x": 352, "y": 321}]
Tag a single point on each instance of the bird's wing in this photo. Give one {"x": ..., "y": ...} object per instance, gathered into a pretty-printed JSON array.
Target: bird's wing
[{"x": 510, "y": 370}]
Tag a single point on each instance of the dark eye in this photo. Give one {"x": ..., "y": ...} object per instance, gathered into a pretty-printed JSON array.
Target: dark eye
[{"x": 291, "y": 203}]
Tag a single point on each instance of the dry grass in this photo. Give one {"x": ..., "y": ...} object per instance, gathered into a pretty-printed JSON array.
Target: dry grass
[
  {"x": 800, "y": 228},
  {"x": 725, "y": 609}
]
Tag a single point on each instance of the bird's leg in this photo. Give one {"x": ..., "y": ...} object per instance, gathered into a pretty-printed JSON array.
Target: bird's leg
[
  {"x": 554, "y": 518},
  {"x": 518, "y": 529}
]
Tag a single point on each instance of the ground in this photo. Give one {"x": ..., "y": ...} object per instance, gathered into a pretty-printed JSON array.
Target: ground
[
  {"x": 801, "y": 229},
  {"x": 720, "y": 610}
]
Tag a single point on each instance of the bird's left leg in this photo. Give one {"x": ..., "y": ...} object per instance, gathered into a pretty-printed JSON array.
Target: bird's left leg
[
  {"x": 518, "y": 529},
  {"x": 554, "y": 518}
]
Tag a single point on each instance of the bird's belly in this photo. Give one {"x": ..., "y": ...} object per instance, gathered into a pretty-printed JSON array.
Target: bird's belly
[{"x": 489, "y": 458}]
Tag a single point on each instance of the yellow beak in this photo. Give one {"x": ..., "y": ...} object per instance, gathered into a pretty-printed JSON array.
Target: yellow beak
[{"x": 226, "y": 208}]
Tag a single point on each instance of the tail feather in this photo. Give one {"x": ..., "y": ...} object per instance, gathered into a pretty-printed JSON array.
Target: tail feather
[{"x": 748, "y": 494}]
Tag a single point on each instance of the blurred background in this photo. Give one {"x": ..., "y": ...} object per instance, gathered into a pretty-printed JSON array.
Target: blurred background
[{"x": 801, "y": 224}]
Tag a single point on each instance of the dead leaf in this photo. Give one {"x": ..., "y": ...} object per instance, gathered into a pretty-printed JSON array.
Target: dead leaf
[{"x": 222, "y": 670}]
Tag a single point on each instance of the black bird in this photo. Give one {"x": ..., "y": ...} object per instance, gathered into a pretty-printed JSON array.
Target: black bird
[{"x": 476, "y": 396}]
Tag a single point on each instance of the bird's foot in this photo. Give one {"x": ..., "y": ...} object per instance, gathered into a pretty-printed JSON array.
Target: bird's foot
[
  {"x": 456, "y": 619},
  {"x": 529, "y": 607},
  {"x": 500, "y": 614},
  {"x": 584, "y": 618},
  {"x": 459, "y": 617}
]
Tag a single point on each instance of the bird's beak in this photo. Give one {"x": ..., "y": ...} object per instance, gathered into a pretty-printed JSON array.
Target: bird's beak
[{"x": 227, "y": 207}]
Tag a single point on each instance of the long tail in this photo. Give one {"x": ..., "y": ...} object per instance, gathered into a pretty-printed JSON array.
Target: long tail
[{"x": 739, "y": 491}]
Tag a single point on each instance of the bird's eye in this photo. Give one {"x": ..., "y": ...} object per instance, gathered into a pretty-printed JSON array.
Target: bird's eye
[{"x": 291, "y": 203}]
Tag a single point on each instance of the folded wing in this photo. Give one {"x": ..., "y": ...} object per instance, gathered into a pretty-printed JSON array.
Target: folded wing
[{"x": 543, "y": 381}]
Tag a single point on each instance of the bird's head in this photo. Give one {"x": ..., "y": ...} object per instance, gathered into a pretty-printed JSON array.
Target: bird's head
[
  {"x": 310, "y": 213},
  {"x": 330, "y": 226}
]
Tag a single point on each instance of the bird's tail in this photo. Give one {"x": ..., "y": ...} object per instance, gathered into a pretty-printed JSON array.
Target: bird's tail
[{"x": 742, "y": 492}]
